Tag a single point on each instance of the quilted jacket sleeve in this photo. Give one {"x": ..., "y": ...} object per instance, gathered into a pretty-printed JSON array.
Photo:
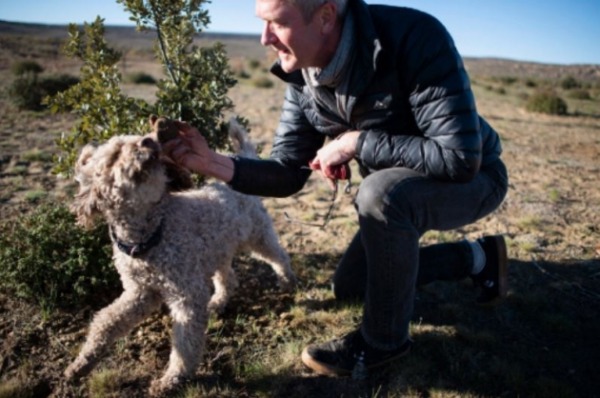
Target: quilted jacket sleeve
[
  {"x": 295, "y": 144},
  {"x": 448, "y": 143},
  {"x": 296, "y": 140}
]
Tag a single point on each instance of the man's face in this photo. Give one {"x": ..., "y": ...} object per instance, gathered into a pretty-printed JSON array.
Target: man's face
[{"x": 296, "y": 41}]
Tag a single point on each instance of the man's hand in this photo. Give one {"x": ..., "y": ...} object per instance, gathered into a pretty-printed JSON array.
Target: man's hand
[
  {"x": 332, "y": 159},
  {"x": 191, "y": 151}
]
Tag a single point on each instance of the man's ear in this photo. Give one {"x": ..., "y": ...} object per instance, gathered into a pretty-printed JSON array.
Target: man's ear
[{"x": 327, "y": 17}]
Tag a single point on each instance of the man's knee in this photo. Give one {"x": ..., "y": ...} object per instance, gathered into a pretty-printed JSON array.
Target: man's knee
[
  {"x": 369, "y": 198},
  {"x": 383, "y": 190}
]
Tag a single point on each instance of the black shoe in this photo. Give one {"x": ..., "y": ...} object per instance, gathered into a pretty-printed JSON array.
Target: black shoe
[
  {"x": 349, "y": 355},
  {"x": 492, "y": 280}
]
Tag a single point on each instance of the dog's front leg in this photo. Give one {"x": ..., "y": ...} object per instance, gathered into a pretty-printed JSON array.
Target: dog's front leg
[
  {"x": 109, "y": 324},
  {"x": 190, "y": 318}
]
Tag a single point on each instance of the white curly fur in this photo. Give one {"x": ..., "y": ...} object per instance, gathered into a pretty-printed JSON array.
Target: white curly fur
[{"x": 124, "y": 182}]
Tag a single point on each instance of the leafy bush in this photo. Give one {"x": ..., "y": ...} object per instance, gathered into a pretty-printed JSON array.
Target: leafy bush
[
  {"x": 47, "y": 259},
  {"x": 141, "y": 78},
  {"x": 569, "y": 83},
  {"x": 29, "y": 90},
  {"x": 243, "y": 74},
  {"x": 263, "y": 82},
  {"x": 26, "y": 93},
  {"x": 546, "y": 102},
  {"x": 507, "y": 80},
  {"x": 51, "y": 85},
  {"x": 254, "y": 64},
  {"x": 580, "y": 94},
  {"x": 26, "y": 67},
  {"x": 530, "y": 83},
  {"x": 194, "y": 90}
]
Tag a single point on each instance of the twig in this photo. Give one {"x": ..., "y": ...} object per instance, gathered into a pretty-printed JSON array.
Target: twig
[
  {"x": 327, "y": 216},
  {"x": 162, "y": 45}
]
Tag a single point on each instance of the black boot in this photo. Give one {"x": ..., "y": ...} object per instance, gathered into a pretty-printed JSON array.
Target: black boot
[
  {"x": 493, "y": 279},
  {"x": 343, "y": 356}
]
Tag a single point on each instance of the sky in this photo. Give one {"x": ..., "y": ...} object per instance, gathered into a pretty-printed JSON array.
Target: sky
[{"x": 550, "y": 31}]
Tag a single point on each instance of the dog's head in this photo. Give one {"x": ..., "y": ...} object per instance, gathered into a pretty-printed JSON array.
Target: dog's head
[{"x": 123, "y": 174}]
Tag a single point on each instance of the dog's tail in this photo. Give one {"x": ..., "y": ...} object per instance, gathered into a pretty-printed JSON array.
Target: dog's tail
[{"x": 239, "y": 139}]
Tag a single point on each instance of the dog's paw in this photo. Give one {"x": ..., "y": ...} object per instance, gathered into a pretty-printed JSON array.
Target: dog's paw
[
  {"x": 288, "y": 283},
  {"x": 216, "y": 306},
  {"x": 164, "y": 386},
  {"x": 76, "y": 370}
]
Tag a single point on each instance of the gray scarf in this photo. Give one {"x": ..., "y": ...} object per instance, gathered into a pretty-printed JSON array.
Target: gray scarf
[{"x": 332, "y": 81}]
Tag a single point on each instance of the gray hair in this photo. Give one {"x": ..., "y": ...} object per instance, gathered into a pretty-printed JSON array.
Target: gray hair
[{"x": 308, "y": 7}]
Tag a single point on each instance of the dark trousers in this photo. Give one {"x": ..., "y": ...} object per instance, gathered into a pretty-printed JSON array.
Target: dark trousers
[{"x": 384, "y": 262}]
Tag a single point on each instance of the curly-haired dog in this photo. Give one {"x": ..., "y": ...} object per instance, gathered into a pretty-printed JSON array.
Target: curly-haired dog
[{"x": 167, "y": 246}]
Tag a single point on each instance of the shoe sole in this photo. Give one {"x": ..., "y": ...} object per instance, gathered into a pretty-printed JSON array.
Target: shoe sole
[
  {"x": 328, "y": 370},
  {"x": 500, "y": 244},
  {"x": 321, "y": 368}
]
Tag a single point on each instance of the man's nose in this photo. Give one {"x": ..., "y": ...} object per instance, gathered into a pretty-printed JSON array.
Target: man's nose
[{"x": 267, "y": 37}]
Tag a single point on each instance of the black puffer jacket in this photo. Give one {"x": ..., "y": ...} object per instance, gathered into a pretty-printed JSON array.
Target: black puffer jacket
[{"x": 410, "y": 98}]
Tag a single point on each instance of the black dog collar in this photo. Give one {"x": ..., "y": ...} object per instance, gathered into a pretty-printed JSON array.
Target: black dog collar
[{"x": 138, "y": 249}]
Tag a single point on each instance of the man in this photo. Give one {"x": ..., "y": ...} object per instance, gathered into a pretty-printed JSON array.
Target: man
[{"x": 389, "y": 87}]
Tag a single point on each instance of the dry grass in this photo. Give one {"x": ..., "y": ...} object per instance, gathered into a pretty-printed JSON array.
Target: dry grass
[{"x": 542, "y": 341}]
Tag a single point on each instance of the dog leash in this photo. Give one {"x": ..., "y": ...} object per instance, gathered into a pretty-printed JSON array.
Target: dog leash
[{"x": 340, "y": 172}]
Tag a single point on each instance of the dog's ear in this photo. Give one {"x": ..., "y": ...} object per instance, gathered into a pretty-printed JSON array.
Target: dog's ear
[
  {"x": 165, "y": 129},
  {"x": 179, "y": 178},
  {"x": 152, "y": 120},
  {"x": 85, "y": 205},
  {"x": 84, "y": 157}
]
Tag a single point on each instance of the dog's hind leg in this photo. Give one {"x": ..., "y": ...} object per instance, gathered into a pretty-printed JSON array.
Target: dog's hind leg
[
  {"x": 190, "y": 319},
  {"x": 111, "y": 323},
  {"x": 225, "y": 283},
  {"x": 266, "y": 247}
]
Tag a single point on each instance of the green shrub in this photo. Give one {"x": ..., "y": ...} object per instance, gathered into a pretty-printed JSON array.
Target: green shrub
[
  {"x": 26, "y": 67},
  {"x": 263, "y": 82},
  {"x": 28, "y": 91},
  {"x": 35, "y": 196},
  {"x": 254, "y": 64},
  {"x": 194, "y": 88},
  {"x": 47, "y": 259},
  {"x": 141, "y": 78},
  {"x": 51, "y": 85},
  {"x": 580, "y": 94},
  {"x": 569, "y": 83},
  {"x": 242, "y": 74},
  {"x": 546, "y": 102},
  {"x": 507, "y": 80}
]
